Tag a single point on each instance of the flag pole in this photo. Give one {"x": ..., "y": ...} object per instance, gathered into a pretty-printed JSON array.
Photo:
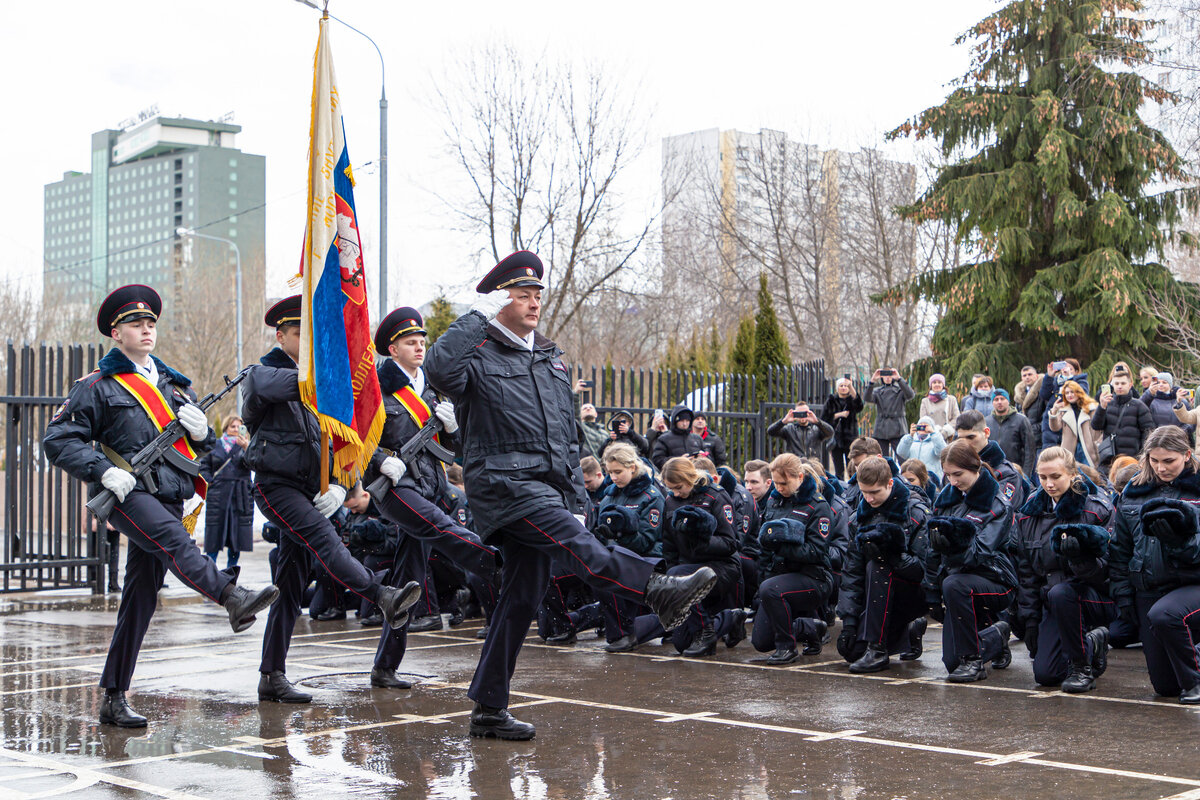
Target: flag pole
[{"x": 324, "y": 463}]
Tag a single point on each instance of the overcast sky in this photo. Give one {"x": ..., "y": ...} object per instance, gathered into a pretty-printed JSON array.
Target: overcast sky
[{"x": 836, "y": 73}]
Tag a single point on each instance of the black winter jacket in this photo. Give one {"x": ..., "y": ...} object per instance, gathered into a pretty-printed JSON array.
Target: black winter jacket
[
  {"x": 720, "y": 550},
  {"x": 672, "y": 442},
  {"x": 427, "y": 475},
  {"x": 907, "y": 510},
  {"x": 806, "y": 441},
  {"x": 1127, "y": 420},
  {"x": 1013, "y": 487},
  {"x": 644, "y": 499},
  {"x": 98, "y": 409},
  {"x": 285, "y": 438},
  {"x": 987, "y": 555},
  {"x": 745, "y": 511},
  {"x": 811, "y": 556},
  {"x": 1014, "y": 435},
  {"x": 845, "y": 430},
  {"x": 517, "y": 423},
  {"x": 1039, "y": 566},
  {"x": 889, "y": 400},
  {"x": 1140, "y": 563}
]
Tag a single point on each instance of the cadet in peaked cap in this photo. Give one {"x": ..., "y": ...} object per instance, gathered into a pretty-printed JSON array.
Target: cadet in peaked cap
[
  {"x": 522, "y": 268},
  {"x": 401, "y": 322},
  {"x": 127, "y": 304},
  {"x": 285, "y": 312}
]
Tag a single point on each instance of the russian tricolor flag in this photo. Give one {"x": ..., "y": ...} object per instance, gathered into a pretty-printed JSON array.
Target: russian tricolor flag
[{"x": 337, "y": 359}]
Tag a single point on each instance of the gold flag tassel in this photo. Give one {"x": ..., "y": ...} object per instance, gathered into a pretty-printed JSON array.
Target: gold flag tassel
[{"x": 189, "y": 520}]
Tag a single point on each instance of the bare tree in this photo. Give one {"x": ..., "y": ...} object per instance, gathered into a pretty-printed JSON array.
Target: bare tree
[{"x": 543, "y": 150}]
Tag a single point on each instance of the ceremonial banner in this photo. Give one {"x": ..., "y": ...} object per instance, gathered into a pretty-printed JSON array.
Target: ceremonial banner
[{"x": 337, "y": 357}]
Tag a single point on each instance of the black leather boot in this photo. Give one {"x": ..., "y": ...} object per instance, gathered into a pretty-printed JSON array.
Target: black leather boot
[
  {"x": 564, "y": 638},
  {"x": 622, "y": 645},
  {"x": 497, "y": 723},
  {"x": 115, "y": 710},
  {"x": 1190, "y": 697},
  {"x": 969, "y": 670},
  {"x": 737, "y": 630},
  {"x": 916, "y": 632},
  {"x": 671, "y": 597},
  {"x": 703, "y": 645},
  {"x": 874, "y": 660},
  {"x": 1098, "y": 638},
  {"x": 394, "y": 603},
  {"x": 422, "y": 624},
  {"x": 782, "y": 655},
  {"x": 1005, "y": 658},
  {"x": 1079, "y": 679},
  {"x": 242, "y": 604},
  {"x": 482, "y": 633},
  {"x": 331, "y": 614},
  {"x": 386, "y": 679},
  {"x": 275, "y": 686},
  {"x": 813, "y": 645}
]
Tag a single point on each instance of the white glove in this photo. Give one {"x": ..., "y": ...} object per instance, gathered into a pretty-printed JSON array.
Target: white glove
[
  {"x": 331, "y": 501},
  {"x": 445, "y": 412},
  {"x": 118, "y": 481},
  {"x": 490, "y": 304},
  {"x": 393, "y": 468},
  {"x": 193, "y": 421}
]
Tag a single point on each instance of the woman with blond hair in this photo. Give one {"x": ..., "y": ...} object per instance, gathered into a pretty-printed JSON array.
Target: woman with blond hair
[
  {"x": 1061, "y": 555},
  {"x": 698, "y": 531},
  {"x": 1071, "y": 415},
  {"x": 1154, "y": 562},
  {"x": 796, "y": 565}
]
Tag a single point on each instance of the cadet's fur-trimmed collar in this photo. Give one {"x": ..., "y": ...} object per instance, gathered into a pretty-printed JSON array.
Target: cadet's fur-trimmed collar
[
  {"x": 979, "y": 497},
  {"x": 1188, "y": 481},
  {"x": 1070, "y": 507},
  {"x": 805, "y": 494},
  {"x": 391, "y": 377},
  {"x": 275, "y": 357},
  {"x": 894, "y": 509},
  {"x": 117, "y": 363}
]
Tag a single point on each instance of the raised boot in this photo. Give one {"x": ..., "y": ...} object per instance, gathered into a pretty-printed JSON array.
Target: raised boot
[
  {"x": 671, "y": 597},
  {"x": 242, "y": 604},
  {"x": 394, "y": 603}
]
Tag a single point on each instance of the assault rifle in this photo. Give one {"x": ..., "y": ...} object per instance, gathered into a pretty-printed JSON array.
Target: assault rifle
[
  {"x": 161, "y": 448},
  {"x": 424, "y": 440}
]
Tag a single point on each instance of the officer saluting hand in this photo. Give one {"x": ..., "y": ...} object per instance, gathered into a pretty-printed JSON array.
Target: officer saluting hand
[
  {"x": 121, "y": 407},
  {"x": 512, "y": 394}
]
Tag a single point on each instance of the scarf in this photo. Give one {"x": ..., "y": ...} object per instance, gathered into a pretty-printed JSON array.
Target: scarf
[{"x": 937, "y": 397}]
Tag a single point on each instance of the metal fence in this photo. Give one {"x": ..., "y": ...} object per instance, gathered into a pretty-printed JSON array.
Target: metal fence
[{"x": 48, "y": 541}]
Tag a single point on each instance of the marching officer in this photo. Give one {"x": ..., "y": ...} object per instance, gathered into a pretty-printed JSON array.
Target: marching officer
[
  {"x": 122, "y": 407},
  {"x": 285, "y": 454},
  {"x": 412, "y": 500},
  {"x": 521, "y": 462}
]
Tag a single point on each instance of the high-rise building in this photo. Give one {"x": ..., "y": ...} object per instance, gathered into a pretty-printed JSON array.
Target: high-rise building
[{"x": 117, "y": 224}]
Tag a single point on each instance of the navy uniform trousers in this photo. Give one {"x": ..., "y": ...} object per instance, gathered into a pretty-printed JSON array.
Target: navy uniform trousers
[
  {"x": 305, "y": 534},
  {"x": 1071, "y": 610},
  {"x": 891, "y": 604},
  {"x": 158, "y": 542},
  {"x": 1170, "y": 626},
  {"x": 973, "y": 604},
  {"x": 409, "y": 564},
  {"x": 787, "y": 608},
  {"x": 530, "y": 546}
]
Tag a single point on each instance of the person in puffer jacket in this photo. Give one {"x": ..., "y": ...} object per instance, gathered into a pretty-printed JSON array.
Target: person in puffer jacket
[
  {"x": 677, "y": 440},
  {"x": 1060, "y": 550},
  {"x": 1154, "y": 562},
  {"x": 969, "y": 569}
]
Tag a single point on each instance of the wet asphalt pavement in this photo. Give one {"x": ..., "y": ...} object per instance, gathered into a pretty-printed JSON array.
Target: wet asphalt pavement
[{"x": 640, "y": 725}]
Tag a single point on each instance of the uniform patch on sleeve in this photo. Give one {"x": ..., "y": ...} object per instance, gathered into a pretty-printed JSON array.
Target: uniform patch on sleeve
[
  {"x": 728, "y": 514},
  {"x": 462, "y": 517},
  {"x": 1008, "y": 492},
  {"x": 61, "y": 410},
  {"x": 823, "y": 526},
  {"x": 655, "y": 516}
]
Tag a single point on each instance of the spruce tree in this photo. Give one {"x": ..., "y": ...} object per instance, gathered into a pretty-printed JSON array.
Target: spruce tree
[
  {"x": 770, "y": 346},
  {"x": 441, "y": 315},
  {"x": 1058, "y": 185},
  {"x": 741, "y": 355}
]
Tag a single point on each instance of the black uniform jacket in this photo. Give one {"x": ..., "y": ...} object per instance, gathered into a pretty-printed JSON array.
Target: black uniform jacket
[
  {"x": 517, "y": 424},
  {"x": 808, "y": 507},
  {"x": 1139, "y": 563},
  {"x": 986, "y": 509},
  {"x": 98, "y": 409},
  {"x": 718, "y": 550}
]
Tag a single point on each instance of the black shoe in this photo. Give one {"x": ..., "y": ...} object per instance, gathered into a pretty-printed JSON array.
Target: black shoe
[
  {"x": 482, "y": 633},
  {"x": 703, "y": 645},
  {"x": 372, "y": 620},
  {"x": 565, "y": 638},
  {"x": 874, "y": 660},
  {"x": 622, "y": 645},
  {"x": 812, "y": 646},
  {"x": 969, "y": 670},
  {"x": 386, "y": 679},
  {"x": 457, "y": 619},
  {"x": 331, "y": 615},
  {"x": 1099, "y": 639},
  {"x": 782, "y": 655},
  {"x": 462, "y": 598},
  {"x": 394, "y": 603},
  {"x": 916, "y": 632},
  {"x": 276, "y": 687},
  {"x": 737, "y": 630},
  {"x": 497, "y": 723},
  {"x": 1005, "y": 658},
  {"x": 242, "y": 604},
  {"x": 1190, "y": 697},
  {"x": 421, "y": 624},
  {"x": 1080, "y": 679},
  {"x": 115, "y": 710},
  {"x": 671, "y": 597}
]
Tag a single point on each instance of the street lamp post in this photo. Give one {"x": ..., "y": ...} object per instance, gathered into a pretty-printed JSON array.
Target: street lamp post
[
  {"x": 383, "y": 158},
  {"x": 237, "y": 255}
]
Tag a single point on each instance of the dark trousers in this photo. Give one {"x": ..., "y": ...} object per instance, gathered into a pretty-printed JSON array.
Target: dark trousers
[
  {"x": 529, "y": 546},
  {"x": 157, "y": 542},
  {"x": 487, "y": 594},
  {"x": 409, "y": 564},
  {"x": 788, "y": 605},
  {"x": 682, "y": 637},
  {"x": 891, "y": 604},
  {"x": 553, "y": 616},
  {"x": 1071, "y": 611},
  {"x": 1170, "y": 631},
  {"x": 305, "y": 535},
  {"x": 749, "y": 585},
  {"x": 973, "y": 604},
  {"x": 887, "y": 445},
  {"x": 421, "y": 519},
  {"x": 620, "y": 615},
  {"x": 839, "y": 457},
  {"x": 722, "y": 597}
]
